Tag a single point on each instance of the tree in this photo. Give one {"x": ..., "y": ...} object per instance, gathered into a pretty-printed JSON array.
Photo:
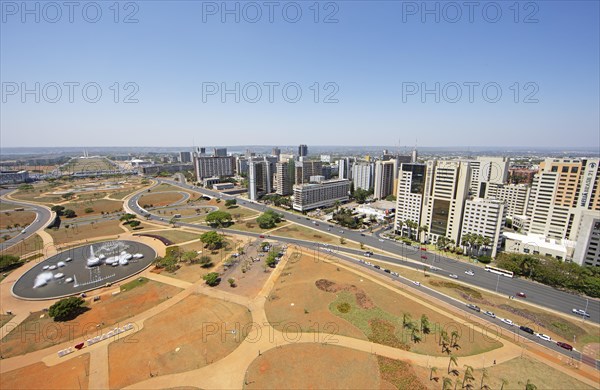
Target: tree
[
  {"x": 360, "y": 195},
  {"x": 218, "y": 218},
  {"x": 414, "y": 334},
  {"x": 425, "y": 326},
  {"x": 431, "y": 371},
  {"x": 190, "y": 256},
  {"x": 231, "y": 282},
  {"x": 68, "y": 195},
  {"x": 504, "y": 382},
  {"x": 406, "y": 320},
  {"x": 484, "y": 376},
  {"x": 5, "y": 237},
  {"x": 212, "y": 240},
  {"x": 69, "y": 213},
  {"x": 468, "y": 377},
  {"x": 127, "y": 218},
  {"x": 269, "y": 219},
  {"x": 530, "y": 386},
  {"x": 134, "y": 224},
  {"x": 8, "y": 262},
  {"x": 454, "y": 336},
  {"x": 342, "y": 240},
  {"x": 212, "y": 279},
  {"x": 230, "y": 203},
  {"x": 58, "y": 209},
  {"x": 271, "y": 260},
  {"x": 453, "y": 361},
  {"x": 205, "y": 261},
  {"x": 89, "y": 210},
  {"x": 390, "y": 198},
  {"x": 446, "y": 383},
  {"x": 66, "y": 309}
]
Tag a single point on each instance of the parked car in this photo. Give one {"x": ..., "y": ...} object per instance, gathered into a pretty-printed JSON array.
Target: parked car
[
  {"x": 521, "y": 295},
  {"x": 473, "y": 307},
  {"x": 544, "y": 337},
  {"x": 566, "y": 346},
  {"x": 581, "y": 312},
  {"x": 424, "y": 257},
  {"x": 489, "y": 314},
  {"x": 526, "y": 329},
  {"x": 453, "y": 276}
]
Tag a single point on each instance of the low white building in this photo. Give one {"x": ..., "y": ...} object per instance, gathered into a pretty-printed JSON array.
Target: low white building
[
  {"x": 325, "y": 194},
  {"x": 538, "y": 244}
]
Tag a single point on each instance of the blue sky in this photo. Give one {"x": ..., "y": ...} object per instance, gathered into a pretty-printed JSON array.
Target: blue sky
[{"x": 372, "y": 56}]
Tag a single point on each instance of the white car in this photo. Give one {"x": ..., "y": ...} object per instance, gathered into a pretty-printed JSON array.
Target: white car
[
  {"x": 581, "y": 312},
  {"x": 507, "y": 321},
  {"x": 470, "y": 273},
  {"x": 453, "y": 276},
  {"x": 489, "y": 314},
  {"x": 381, "y": 240},
  {"x": 544, "y": 337},
  {"x": 417, "y": 283}
]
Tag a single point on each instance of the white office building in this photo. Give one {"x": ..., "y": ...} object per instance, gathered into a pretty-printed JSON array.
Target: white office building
[
  {"x": 317, "y": 195},
  {"x": 385, "y": 178},
  {"x": 409, "y": 196},
  {"x": 362, "y": 176},
  {"x": 515, "y": 196},
  {"x": 487, "y": 170},
  {"x": 587, "y": 248},
  {"x": 485, "y": 217},
  {"x": 259, "y": 179}
]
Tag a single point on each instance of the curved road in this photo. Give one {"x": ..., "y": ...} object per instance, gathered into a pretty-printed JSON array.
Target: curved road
[
  {"x": 42, "y": 219},
  {"x": 536, "y": 293}
]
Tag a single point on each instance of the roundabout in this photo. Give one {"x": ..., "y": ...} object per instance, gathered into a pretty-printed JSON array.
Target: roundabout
[{"x": 83, "y": 269}]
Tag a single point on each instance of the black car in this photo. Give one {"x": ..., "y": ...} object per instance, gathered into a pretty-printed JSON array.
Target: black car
[
  {"x": 378, "y": 267},
  {"x": 473, "y": 307},
  {"x": 387, "y": 270},
  {"x": 526, "y": 329}
]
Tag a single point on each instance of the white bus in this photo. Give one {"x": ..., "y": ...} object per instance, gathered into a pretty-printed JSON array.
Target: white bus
[{"x": 499, "y": 271}]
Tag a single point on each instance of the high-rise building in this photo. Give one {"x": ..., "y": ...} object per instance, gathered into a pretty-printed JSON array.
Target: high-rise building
[
  {"x": 362, "y": 176},
  {"x": 487, "y": 170},
  {"x": 302, "y": 151},
  {"x": 220, "y": 152},
  {"x": 345, "y": 168},
  {"x": 185, "y": 157},
  {"x": 515, "y": 196},
  {"x": 414, "y": 156},
  {"x": 325, "y": 194},
  {"x": 385, "y": 178},
  {"x": 284, "y": 178},
  {"x": 276, "y": 152},
  {"x": 209, "y": 166},
  {"x": 446, "y": 189},
  {"x": 409, "y": 201},
  {"x": 304, "y": 169},
  {"x": 561, "y": 191},
  {"x": 587, "y": 248},
  {"x": 259, "y": 179},
  {"x": 485, "y": 217}
]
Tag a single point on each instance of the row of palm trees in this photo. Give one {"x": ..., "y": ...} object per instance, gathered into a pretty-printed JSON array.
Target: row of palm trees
[
  {"x": 473, "y": 243},
  {"x": 468, "y": 378},
  {"x": 413, "y": 228}
]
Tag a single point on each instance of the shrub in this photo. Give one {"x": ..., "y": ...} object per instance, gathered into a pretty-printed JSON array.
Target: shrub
[{"x": 66, "y": 309}]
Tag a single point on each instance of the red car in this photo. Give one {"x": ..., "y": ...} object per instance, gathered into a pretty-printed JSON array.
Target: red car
[
  {"x": 424, "y": 257},
  {"x": 521, "y": 295},
  {"x": 261, "y": 236},
  {"x": 423, "y": 248},
  {"x": 566, "y": 346}
]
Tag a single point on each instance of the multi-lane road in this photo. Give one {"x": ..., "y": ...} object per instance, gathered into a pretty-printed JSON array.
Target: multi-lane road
[
  {"x": 538, "y": 294},
  {"x": 42, "y": 219}
]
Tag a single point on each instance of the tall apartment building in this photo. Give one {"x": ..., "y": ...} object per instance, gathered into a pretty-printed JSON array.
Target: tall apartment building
[
  {"x": 304, "y": 169},
  {"x": 345, "y": 168},
  {"x": 185, "y": 157},
  {"x": 587, "y": 248},
  {"x": 487, "y": 218},
  {"x": 302, "y": 151},
  {"x": 487, "y": 170},
  {"x": 409, "y": 202},
  {"x": 385, "y": 177},
  {"x": 220, "y": 152},
  {"x": 560, "y": 192},
  {"x": 276, "y": 152},
  {"x": 284, "y": 178},
  {"x": 446, "y": 189},
  {"x": 324, "y": 194},
  {"x": 259, "y": 179},
  {"x": 209, "y": 166},
  {"x": 515, "y": 196},
  {"x": 362, "y": 176}
]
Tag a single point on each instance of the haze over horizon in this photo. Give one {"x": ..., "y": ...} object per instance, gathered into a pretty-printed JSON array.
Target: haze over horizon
[{"x": 364, "y": 72}]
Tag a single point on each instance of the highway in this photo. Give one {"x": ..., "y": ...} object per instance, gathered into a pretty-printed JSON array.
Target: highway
[
  {"x": 42, "y": 220},
  {"x": 481, "y": 279},
  {"x": 537, "y": 293}
]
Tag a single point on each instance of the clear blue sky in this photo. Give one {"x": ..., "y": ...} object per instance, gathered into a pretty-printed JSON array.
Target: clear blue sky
[{"x": 369, "y": 53}]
